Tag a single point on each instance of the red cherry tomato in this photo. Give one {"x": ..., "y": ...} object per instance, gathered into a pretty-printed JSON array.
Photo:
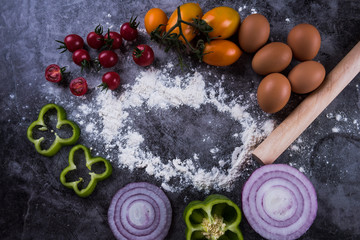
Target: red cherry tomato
[
  {"x": 129, "y": 30},
  {"x": 81, "y": 57},
  {"x": 53, "y": 73},
  {"x": 108, "y": 58},
  {"x": 78, "y": 86},
  {"x": 110, "y": 80},
  {"x": 96, "y": 39},
  {"x": 143, "y": 55},
  {"x": 72, "y": 43},
  {"x": 115, "y": 40}
]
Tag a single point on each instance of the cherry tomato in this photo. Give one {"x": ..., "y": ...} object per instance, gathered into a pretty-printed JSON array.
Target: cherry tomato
[
  {"x": 129, "y": 30},
  {"x": 110, "y": 80},
  {"x": 53, "y": 73},
  {"x": 115, "y": 40},
  {"x": 221, "y": 53},
  {"x": 108, "y": 58},
  {"x": 143, "y": 55},
  {"x": 78, "y": 86},
  {"x": 188, "y": 11},
  {"x": 153, "y": 18},
  {"x": 96, "y": 39},
  {"x": 72, "y": 43},
  {"x": 225, "y": 22},
  {"x": 81, "y": 57}
]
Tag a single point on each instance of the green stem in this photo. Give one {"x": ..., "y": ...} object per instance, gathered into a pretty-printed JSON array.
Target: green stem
[
  {"x": 173, "y": 27},
  {"x": 171, "y": 40},
  {"x": 138, "y": 52},
  {"x": 187, "y": 42}
]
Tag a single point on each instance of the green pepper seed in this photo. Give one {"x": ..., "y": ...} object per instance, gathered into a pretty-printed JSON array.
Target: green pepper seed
[{"x": 217, "y": 217}]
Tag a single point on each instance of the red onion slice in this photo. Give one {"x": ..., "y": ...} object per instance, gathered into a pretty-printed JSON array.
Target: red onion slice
[
  {"x": 279, "y": 202},
  {"x": 140, "y": 211},
  {"x": 138, "y": 215}
]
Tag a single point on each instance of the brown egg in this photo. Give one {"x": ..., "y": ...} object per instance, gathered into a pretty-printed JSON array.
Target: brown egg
[
  {"x": 273, "y": 92},
  {"x": 306, "y": 76},
  {"x": 254, "y": 32},
  {"x": 304, "y": 40},
  {"x": 273, "y": 57}
]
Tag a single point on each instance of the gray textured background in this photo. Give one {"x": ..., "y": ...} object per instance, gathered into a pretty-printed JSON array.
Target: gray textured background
[{"x": 34, "y": 204}]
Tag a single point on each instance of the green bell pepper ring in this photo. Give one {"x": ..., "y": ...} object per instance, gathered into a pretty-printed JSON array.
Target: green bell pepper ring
[
  {"x": 58, "y": 142},
  {"x": 217, "y": 217},
  {"x": 94, "y": 176}
]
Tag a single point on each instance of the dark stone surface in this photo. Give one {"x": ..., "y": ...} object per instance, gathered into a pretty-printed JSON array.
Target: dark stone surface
[{"x": 35, "y": 205}]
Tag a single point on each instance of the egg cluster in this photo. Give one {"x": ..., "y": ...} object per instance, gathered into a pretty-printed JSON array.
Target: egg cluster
[{"x": 303, "y": 43}]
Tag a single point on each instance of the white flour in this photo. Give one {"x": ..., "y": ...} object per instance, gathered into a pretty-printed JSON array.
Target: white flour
[
  {"x": 112, "y": 118},
  {"x": 241, "y": 8}
]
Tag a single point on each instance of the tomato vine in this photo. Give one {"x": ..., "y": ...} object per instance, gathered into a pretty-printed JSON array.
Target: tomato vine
[{"x": 172, "y": 40}]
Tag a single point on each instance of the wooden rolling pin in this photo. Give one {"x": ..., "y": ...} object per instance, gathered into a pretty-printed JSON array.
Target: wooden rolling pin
[{"x": 309, "y": 109}]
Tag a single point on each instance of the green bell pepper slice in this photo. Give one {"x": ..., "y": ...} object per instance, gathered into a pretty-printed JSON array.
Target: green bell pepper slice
[
  {"x": 58, "y": 142},
  {"x": 94, "y": 176},
  {"x": 215, "y": 218}
]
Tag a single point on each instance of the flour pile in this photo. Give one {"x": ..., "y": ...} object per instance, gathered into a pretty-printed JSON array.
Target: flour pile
[{"x": 157, "y": 90}]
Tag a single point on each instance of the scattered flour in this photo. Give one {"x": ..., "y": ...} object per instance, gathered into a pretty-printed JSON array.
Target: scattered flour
[
  {"x": 242, "y": 8},
  {"x": 343, "y": 123},
  {"x": 90, "y": 128},
  {"x": 301, "y": 169},
  {"x": 335, "y": 130},
  {"x": 156, "y": 89},
  {"x": 214, "y": 150},
  {"x": 295, "y": 148}
]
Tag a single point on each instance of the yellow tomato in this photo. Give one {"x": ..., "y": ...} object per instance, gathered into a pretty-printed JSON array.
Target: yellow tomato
[
  {"x": 188, "y": 11},
  {"x": 221, "y": 53},
  {"x": 224, "y": 21},
  {"x": 153, "y": 18}
]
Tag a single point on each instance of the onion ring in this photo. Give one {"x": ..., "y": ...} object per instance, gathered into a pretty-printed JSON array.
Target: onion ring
[
  {"x": 279, "y": 202},
  {"x": 140, "y": 211}
]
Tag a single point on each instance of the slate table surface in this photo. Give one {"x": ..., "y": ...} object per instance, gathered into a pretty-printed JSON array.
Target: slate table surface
[{"x": 33, "y": 203}]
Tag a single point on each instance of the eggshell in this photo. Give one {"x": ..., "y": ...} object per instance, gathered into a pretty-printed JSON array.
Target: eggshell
[
  {"x": 306, "y": 76},
  {"x": 254, "y": 32},
  {"x": 273, "y": 57},
  {"x": 304, "y": 40},
  {"x": 273, "y": 92}
]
